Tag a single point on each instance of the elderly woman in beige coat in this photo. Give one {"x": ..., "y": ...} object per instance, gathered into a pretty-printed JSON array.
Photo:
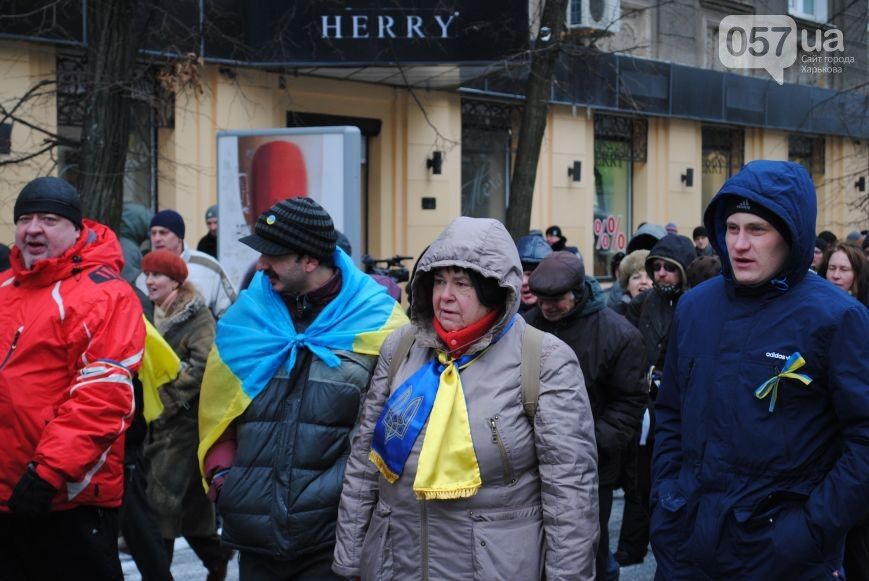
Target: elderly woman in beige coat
[{"x": 448, "y": 477}]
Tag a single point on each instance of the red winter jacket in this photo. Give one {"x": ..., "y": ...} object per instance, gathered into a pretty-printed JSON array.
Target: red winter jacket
[{"x": 71, "y": 335}]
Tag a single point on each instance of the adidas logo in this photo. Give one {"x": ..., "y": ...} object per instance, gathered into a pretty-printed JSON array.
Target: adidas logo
[
  {"x": 743, "y": 205},
  {"x": 774, "y": 355}
]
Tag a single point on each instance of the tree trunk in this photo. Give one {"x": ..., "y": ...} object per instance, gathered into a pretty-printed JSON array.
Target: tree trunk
[
  {"x": 537, "y": 93},
  {"x": 111, "y": 55}
]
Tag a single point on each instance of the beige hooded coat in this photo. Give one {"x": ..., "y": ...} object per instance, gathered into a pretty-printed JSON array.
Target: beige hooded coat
[{"x": 536, "y": 515}]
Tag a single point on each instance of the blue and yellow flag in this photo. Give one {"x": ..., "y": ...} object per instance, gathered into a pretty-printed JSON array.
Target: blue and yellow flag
[
  {"x": 256, "y": 336},
  {"x": 160, "y": 365}
]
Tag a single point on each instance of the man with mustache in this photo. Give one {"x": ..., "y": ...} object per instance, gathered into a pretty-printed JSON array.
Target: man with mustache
[{"x": 299, "y": 347}]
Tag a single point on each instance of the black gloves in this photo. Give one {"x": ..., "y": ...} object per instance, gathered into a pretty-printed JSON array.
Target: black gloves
[{"x": 32, "y": 494}]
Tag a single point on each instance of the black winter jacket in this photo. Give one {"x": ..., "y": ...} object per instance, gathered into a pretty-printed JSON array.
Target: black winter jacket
[
  {"x": 281, "y": 495},
  {"x": 652, "y": 312},
  {"x": 610, "y": 353}
]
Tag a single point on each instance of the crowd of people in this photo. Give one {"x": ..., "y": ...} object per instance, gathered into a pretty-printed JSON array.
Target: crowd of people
[{"x": 319, "y": 430}]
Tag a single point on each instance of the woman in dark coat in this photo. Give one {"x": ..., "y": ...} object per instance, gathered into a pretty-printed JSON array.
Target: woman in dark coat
[{"x": 174, "y": 489}]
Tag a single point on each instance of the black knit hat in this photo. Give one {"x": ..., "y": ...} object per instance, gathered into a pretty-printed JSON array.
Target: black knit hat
[
  {"x": 736, "y": 204},
  {"x": 49, "y": 195},
  {"x": 171, "y": 220},
  {"x": 698, "y": 232},
  {"x": 295, "y": 225}
]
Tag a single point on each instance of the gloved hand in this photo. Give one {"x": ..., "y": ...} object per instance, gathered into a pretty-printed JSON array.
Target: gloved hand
[{"x": 32, "y": 494}]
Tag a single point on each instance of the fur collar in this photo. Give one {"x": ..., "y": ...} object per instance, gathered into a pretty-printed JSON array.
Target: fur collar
[{"x": 186, "y": 305}]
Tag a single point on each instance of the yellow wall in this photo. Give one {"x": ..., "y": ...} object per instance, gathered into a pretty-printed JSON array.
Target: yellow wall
[
  {"x": 841, "y": 206},
  {"x": 569, "y": 137},
  {"x": 660, "y": 196},
  {"x": 22, "y": 66},
  {"x": 765, "y": 144},
  {"x": 439, "y": 129}
]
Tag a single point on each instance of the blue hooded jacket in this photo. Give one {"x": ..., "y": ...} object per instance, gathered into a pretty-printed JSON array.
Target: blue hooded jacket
[{"x": 740, "y": 491}]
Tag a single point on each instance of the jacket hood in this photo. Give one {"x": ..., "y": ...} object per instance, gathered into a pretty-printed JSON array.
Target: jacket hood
[
  {"x": 595, "y": 300},
  {"x": 645, "y": 237},
  {"x": 96, "y": 246},
  {"x": 786, "y": 189},
  {"x": 135, "y": 222},
  {"x": 676, "y": 249},
  {"x": 479, "y": 244}
]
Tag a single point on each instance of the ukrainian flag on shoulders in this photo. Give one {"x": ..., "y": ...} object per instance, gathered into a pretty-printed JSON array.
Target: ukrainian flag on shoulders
[{"x": 255, "y": 337}]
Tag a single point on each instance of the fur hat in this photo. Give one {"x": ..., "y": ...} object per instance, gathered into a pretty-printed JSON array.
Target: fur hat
[
  {"x": 633, "y": 263},
  {"x": 702, "y": 269}
]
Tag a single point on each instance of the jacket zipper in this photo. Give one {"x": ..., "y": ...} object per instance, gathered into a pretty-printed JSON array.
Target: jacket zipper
[
  {"x": 509, "y": 477},
  {"x": 12, "y": 347},
  {"x": 423, "y": 536}
]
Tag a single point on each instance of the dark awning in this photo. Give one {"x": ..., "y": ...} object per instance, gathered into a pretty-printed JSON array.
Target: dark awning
[{"x": 633, "y": 85}]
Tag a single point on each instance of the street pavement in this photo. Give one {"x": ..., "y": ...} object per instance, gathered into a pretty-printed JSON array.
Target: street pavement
[{"x": 187, "y": 567}]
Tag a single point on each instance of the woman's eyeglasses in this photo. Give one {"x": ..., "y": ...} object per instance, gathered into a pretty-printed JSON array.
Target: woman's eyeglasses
[{"x": 656, "y": 266}]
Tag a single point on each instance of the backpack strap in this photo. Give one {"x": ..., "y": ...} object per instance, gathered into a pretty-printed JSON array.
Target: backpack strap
[
  {"x": 401, "y": 352},
  {"x": 532, "y": 343}
]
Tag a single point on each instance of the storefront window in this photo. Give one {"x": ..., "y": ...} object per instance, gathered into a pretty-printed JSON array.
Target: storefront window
[
  {"x": 810, "y": 152},
  {"x": 619, "y": 143},
  {"x": 486, "y": 141},
  {"x": 150, "y": 109},
  {"x": 723, "y": 155}
]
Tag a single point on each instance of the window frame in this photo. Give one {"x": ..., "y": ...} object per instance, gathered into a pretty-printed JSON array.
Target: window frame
[{"x": 819, "y": 14}]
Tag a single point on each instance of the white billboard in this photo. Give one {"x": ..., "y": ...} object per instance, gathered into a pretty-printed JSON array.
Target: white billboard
[{"x": 258, "y": 168}]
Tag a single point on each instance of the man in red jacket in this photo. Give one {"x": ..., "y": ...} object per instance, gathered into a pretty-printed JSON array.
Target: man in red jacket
[{"x": 71, "y": 336}]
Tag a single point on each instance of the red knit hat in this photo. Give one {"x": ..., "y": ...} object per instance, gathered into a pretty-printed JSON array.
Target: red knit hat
[{"x": 165, "y": 262}]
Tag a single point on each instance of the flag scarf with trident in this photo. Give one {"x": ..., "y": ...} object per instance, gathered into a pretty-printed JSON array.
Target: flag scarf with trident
[{"x": 770, "y": 386}]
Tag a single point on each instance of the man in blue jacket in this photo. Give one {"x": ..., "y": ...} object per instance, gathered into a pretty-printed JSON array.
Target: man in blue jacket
[{"x": 762, "y": 439}]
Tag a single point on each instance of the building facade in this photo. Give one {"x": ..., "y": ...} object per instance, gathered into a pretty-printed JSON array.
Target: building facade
[{"x": 645, "y": 122}]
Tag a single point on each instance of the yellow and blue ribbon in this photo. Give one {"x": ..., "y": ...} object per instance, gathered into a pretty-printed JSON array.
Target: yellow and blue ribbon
[{"x": 769, "y": 388}]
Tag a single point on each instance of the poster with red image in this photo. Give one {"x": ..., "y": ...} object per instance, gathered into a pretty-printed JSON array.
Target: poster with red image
[{"x": 256, "y": 169}]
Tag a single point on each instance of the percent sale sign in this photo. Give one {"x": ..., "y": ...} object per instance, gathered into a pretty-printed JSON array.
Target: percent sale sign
[{"x": 609, "y": 235}]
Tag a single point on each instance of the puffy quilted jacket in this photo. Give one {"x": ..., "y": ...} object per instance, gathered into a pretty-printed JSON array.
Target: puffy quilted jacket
[
  {"x": 71, "y": 335},
  {"x": 280, "y": 498}
]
